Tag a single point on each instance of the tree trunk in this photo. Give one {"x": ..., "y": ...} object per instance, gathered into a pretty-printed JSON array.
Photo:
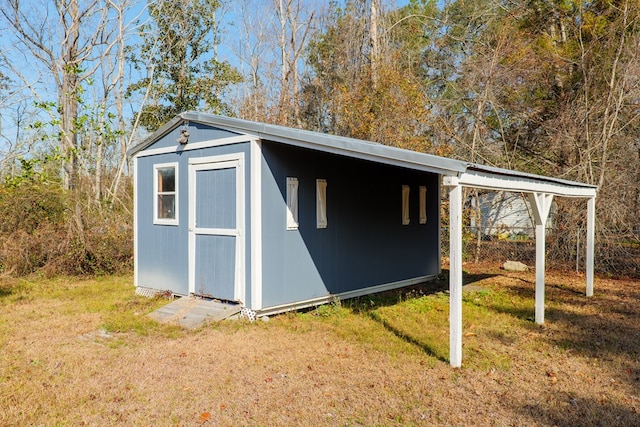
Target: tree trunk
[
  {"x": 69, "y": 92},
  {"x": 374, "y": 44}
]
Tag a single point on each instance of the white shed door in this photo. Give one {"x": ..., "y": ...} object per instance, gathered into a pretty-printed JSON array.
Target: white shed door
[{"x": 216, "y": 216}]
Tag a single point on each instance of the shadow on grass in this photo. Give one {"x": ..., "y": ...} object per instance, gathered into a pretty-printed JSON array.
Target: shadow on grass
[
  {"x": 567, "y": 410},
  {"x": 604, "y": 328},
  {"x": 367, "y": 306},
  {"x": 522, "y": 313},
  {"x": 601, "y": 335},
  {"x": 468, "y": 278},
  {"x": 525, "y": 290},
  {"x": 370, "y": 302},
  {"x": 425, "y": 347}
]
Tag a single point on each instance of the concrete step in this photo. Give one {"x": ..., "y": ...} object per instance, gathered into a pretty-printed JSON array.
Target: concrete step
[{"x": 191, "y": 312}]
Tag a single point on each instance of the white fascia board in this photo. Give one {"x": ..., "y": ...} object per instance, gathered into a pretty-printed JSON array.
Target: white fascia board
[
  {"x": 197, "y": 145},
  {"x": 525, "y": 184},
  {"x": 450, "y": 181}
]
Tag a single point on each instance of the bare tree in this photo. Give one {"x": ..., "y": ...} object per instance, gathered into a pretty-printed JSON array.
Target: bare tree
[
  {"x": 115, "y": 84},
  {"x": 294, "y": 25},
  {"x": 67, "y": 39},
  {"x": 252, "y": 45},
  {"x": 374, "y": 43}
]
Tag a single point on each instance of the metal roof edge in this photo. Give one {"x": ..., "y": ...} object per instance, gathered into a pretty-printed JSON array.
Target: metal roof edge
[
  {"x": 509, "y": 172},
  {"x": 372, "y": 150},
  {"x": 347, "y": 146},
  {"x": 162, "y": 131}
]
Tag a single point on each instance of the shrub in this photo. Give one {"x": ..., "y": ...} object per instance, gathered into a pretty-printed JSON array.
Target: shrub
[{"x": 40, "y": 232}]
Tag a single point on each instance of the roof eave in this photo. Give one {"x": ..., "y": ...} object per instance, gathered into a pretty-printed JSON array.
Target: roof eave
[
  {"x": 350, "y": 147},
  {"x": 165, "y": 129},
  {"x": 467, "y": 174}
]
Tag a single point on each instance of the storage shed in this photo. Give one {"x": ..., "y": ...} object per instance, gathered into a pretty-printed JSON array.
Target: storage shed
[{"x": 275, "y": 218}]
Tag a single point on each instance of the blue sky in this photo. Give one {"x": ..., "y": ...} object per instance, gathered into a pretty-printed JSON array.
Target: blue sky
[{"x": 40, "y": 78}]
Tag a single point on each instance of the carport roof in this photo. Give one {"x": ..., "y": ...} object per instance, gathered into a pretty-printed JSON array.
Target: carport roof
[{"x": 467, "y": 174}]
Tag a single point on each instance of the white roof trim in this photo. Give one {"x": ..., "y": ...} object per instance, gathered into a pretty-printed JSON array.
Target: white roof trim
[{"x": 198, "y": 145}]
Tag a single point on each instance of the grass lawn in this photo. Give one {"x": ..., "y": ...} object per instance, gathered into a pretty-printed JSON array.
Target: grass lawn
[{"x": 82, "y": 352}]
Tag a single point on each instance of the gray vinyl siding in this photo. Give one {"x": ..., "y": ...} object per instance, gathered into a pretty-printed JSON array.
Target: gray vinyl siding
[
  {"x": 364, "y": 244},
  {"x": 162, "y": 254}
]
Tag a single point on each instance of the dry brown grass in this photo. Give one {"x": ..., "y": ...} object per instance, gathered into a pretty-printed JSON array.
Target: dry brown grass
[{"x": 372, "y": 361}]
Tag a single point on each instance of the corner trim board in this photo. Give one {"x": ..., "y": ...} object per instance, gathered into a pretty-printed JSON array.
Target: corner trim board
[
  {"x": 256, "y": 224},
  {"x": 136, "y": 221}
]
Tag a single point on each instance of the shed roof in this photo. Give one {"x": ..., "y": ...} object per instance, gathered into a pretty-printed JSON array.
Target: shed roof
[{"x": 468, "y": 174}]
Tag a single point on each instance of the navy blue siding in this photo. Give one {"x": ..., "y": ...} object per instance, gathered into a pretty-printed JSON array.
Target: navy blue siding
[
  {"x": 364, "y": 244},
  {"x": 162, "y": 255}
]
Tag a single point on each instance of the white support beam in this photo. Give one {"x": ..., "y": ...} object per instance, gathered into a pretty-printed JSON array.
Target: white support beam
[
  {"x": 455, "y": 271},
  {"x": 541, "y": 192},
  {"x": 525, "y": 184},
  {"x": 591, "y": 220},
  {"x": 540, "y": 270},
  {"x": 540, "y": 205}
]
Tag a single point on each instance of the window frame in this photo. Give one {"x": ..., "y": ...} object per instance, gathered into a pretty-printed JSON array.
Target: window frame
[
  {"x": 292, "y": 201},
  {"x": 422, "y": 191},
  {"x": 406, "y": 215},
  {"x": 321, "y": 203},
  {"x": 156, "y": 194}
]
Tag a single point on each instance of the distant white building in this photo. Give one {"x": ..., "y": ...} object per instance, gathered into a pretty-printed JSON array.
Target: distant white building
[{"x": 505, "y": 215}]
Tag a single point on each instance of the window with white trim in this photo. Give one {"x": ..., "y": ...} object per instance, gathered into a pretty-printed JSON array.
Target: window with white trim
[
  {"x": 405, "y": 205},
  {"x": 423, "y": 204},
  {"x": 165, "y": 194},
  {"x": 292, "y": 203},
  {"x": 321, "y": 203}
]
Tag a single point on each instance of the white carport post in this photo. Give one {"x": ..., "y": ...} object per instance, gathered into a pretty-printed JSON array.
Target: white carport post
[
  {"x": 591, "y": 220},
  {"x": 455, "y": 270},
  {"x": 540, "y": 204}
]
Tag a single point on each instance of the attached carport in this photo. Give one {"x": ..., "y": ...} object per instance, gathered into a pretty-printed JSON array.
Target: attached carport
[{"x": 540, "y": 190}]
